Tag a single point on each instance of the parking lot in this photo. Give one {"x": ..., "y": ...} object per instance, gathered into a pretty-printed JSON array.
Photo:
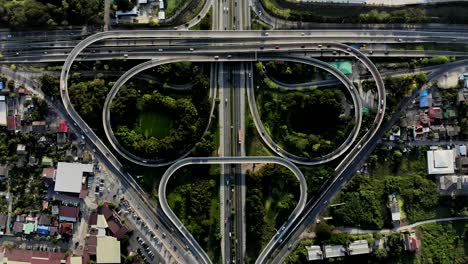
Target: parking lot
[{"x": 143, "y": 240}]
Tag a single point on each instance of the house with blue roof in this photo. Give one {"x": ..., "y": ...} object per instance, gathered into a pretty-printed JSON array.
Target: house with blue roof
[{"x": 425, "y": 99}]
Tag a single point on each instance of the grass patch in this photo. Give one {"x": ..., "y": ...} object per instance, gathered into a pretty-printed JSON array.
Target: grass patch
[
  {"x": 155, "y": 124},
  {"x": 172, "y": 6}
]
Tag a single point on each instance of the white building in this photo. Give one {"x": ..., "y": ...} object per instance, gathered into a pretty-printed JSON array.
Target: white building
[
  {"x": 69, "y": 176},
  {"x": 333, "y": 251},
  {"x": 314, "y": 253},
  {"x": 359, "y": 247},
  {"x": 3, "y": 111},
  {"x": 441, "y": 161}
]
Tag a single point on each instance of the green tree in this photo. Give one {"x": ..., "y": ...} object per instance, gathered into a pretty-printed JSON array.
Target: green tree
[{"x": 49, "y": 85}]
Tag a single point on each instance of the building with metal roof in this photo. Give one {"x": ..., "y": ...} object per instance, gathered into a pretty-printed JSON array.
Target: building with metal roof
[
  {"x": 69, "y": 176},
  {"x": 107, "y": 250},
  {"x": 358, "y": 247},
  {"x": 345, "y": 66},
  {"x": 314, "y": 253},
  {"x": 333, "y": 251}
]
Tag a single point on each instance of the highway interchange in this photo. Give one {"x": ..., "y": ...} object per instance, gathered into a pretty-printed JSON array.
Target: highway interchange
[
  {"x": 220, "y": 47},
  {"x": 199, "y": 254}
]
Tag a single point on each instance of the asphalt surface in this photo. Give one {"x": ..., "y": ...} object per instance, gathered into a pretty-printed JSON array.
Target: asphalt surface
[
  {"x": 103, "y": 149},
  {"x": 299, "y": 220}
]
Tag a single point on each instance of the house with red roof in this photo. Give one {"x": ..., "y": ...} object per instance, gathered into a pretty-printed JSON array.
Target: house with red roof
[
  {"x": 69, "y": 214},
  {"x": 63, "y": 128},
  {"x": 16, "y": 255}
]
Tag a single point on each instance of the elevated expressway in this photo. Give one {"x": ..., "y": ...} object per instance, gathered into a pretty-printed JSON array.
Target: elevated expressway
[
  {"x": 199, "y": 255},
  {"x": 200, "y": 58}
]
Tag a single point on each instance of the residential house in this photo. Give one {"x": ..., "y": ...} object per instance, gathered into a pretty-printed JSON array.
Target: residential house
[
  {"x": 66, "y": 229},
  {"x": 425, "y": 99},
  {"x": 24, "y": 256},
  {"x": 48, "y": 175},
  {"x": 359, "y": 247},
  {"x": 39, "y": 127},
  {"x": 11, "y": 123},
  {"x": 3, "y": 223},
  {"x": 117, "y": 228},
  {"x": 18, "y": 228},
  {"x": 314, "y": 253},
  {"x": 3, "y": 172},
  {"x": 333, "y": 251},
  {"x": 394, "y": 209},
  {"x": 69, "y": 214},
  {"x": 47, "y": 162},
  {"x": 75, "y": 260},
  {"x": 29, "y": 228},
  {"x": 21, "y": 149},
  {"x": 411, "y": 242}
]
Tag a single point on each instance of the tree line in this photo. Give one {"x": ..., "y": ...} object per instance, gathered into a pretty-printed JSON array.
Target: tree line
[{"x": 41, "y": 13}]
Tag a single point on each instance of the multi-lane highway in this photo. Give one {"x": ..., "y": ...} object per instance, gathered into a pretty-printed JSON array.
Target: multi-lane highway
[
  {"x": 198, "y": 253},
  {"x": 301, "y": 218}
]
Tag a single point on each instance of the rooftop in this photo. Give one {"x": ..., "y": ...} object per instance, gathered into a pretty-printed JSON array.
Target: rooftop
[
  {"x": 69, "y": 176},
  {"x": 359, "y": 247},
  {"x": 332, "y": 251},
  {"x": 314, "y": 253},
  {"x": 68, "y": 211},
  {"x": 108, "y": 250},
  {"x": 440, "y": 161}
]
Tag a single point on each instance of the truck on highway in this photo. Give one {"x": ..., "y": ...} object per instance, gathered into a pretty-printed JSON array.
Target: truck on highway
[{"x": 240, "y": 136}]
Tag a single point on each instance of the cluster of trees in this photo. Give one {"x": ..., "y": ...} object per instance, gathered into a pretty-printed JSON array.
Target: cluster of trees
[
  {"x": 38, "y": 112},
  {"x": 290, "y": 72},
  {"x": 192, "y": 195},
  {"x": 435, "y": 60},
  {"x": 88, "y": 98},
  {"x": 26, "y": 188},
  {"x": 273, "y": 184},
  {"x": 40, "y": 13},
  {"x": 189, "y": 114},
  {"x": 444, "y": 242},
  {"x": 308, "y": 124},
  {"x": 50, "y": 85},
  {"x": 124, "y": 5},
  {"x": 366, "y": 197},
  {"x": 185, "y": 127},
  {"x": 411, "y": 15},
  {"x": 176, "y": 73},
  {"x": 348, "y": 13}
]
